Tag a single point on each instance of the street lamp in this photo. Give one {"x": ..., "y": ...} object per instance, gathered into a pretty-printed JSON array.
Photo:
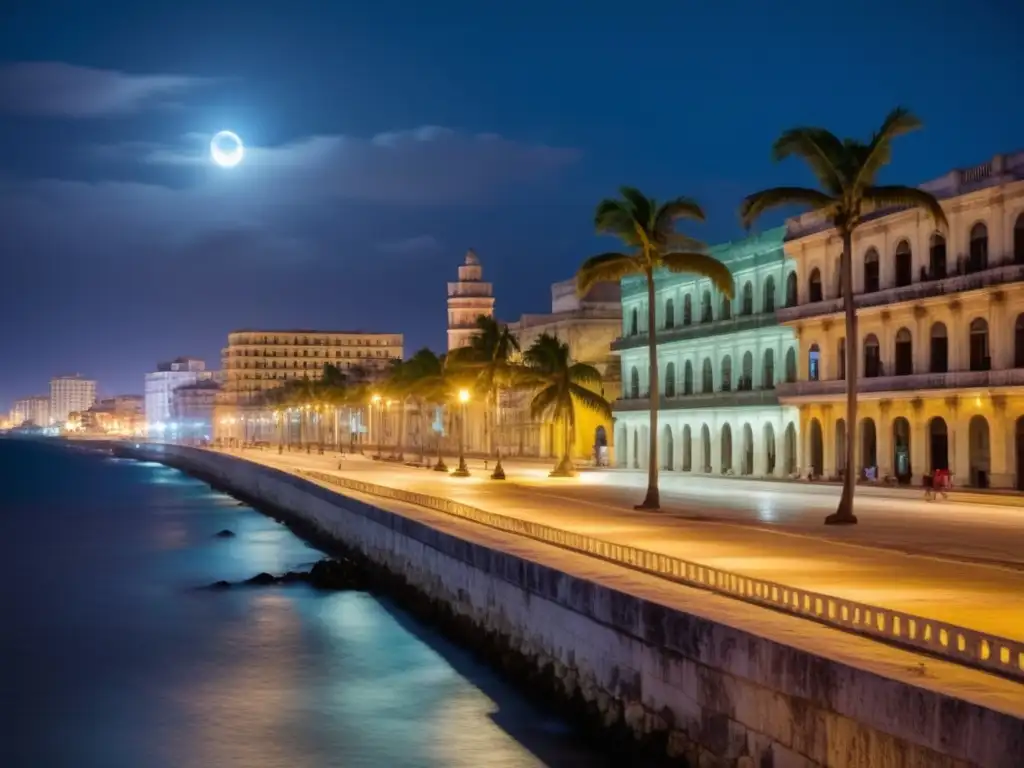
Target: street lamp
[
  {"x": 375, "y": 428},
  {"x": 462, "y": 470}
]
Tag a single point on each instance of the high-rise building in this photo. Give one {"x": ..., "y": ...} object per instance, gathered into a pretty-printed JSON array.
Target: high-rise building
[
  {"x": 70, "y": 394},
  {"x": 468, "y": 298},
  {"x": 161, "y": 383},
  {"x": 34, "y": 409}
]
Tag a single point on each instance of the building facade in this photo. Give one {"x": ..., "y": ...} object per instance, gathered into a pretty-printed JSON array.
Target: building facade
[
  {"x": 70, "y": 394},
  {"x": 35, "y": 409},
  {"x": 588, "y": 325},
  {"x": 468, "y": 298},
  {"x": 161, "y": 383},
  {"x": 192, "y": 410},
  {"x": 940, "y": 347},
  {"x": 119, "y": 415},
  {"x": 719, "y": 365}
]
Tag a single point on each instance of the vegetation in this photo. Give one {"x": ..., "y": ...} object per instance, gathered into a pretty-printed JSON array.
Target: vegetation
[
  {"x": 846, "y": 170},
  {"x": 559, "y": 388},
  {"x": 648, "y": 230}
]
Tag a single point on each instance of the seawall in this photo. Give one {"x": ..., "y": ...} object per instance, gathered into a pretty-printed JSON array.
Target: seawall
[{"x": 704, "y": 691}]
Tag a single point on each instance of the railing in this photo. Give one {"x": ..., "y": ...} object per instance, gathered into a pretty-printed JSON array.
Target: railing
[
  {"x": 739, "y": 397},
  {"x": 1005, "y": 272},
  {"x": 1012, "y": 377},
  {"x": 953, "y": 643},
  {"x": 699, "y": 330}
]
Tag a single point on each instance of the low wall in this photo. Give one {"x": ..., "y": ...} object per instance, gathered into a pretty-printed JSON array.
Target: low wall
[{"x": 697, "y": 690}]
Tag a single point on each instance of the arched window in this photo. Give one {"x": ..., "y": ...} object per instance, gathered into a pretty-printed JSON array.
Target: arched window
[
  {"x": 872, "y": 357},
  {"x": 904, "y": 264},
  {"x": 768, "y": 371},
  {"x": 937, "y": 257},
  {"x": 634, "y": 384},
  {"x": 706, "y": 313},
  {"x": 1018, "y": 240},
  {"x": 769, "y": 294},
  {"x": 978, "y": 259},
  {"x": 747, "y": 379},
  {"x": 726, "y": 308},
  {"x": 939, "y": 361},
  {"x": 904, "y": 353},
  {"x": 791, "y": 365},
  {"x": 707, "y": 377},
  {"x": 726, "y": 373},
  {"x": 813, "y": 363},
  {"x": 670, "y": 380},
  {"x": 979, "y": 345},
  {"x": 688, "y": 378},
  {"x": 871, "y": 280},
  {"x": 634, "y": 322},
  {"x": 687, "y": 310},
  {"x": 814, "y": 286},
  {"x": 747, "y": 305},
  {"x": 670, "y": 314},
  {"x": 841, "y": 359},
  {"x": 791, "y": 297}
]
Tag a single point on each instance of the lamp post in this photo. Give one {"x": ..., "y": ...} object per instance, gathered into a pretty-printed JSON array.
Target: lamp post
[
  {"x": 462, "y": 470},
  {"x": 375, "y": 428}
]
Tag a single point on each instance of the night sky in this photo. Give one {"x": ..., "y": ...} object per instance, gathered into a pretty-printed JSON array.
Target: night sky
[{"x": 387, "y": 137}]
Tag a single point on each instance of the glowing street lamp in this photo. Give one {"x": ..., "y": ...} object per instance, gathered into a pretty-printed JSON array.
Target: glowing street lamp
[{"x": 462, "y": 470}]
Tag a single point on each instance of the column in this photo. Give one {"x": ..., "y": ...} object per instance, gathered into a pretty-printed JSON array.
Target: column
[
  {"x": 883, "y": 434},
  {"x": 918, "y": 447},
  {"x": 1000, "y": 435},
  {"x": 959, "y": 446},
  {"x": 737, "y": 448},
  {"x": 828, "y": 438},
  {"x": 716, "y": 446},
  {"x": 761, "y": 451}
]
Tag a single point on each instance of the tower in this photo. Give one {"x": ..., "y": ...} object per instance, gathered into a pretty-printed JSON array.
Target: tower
[{"x": 468, "y": 298}]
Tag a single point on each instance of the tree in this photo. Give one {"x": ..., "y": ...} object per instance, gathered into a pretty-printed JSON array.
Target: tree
[
  {"x": 846, "y": 170},
  {"x": 489, "y": 359},
  {"x": 648, "y": 230},
  {"x": 559, "y": 388},
  {"x": 424, "y": 384}
]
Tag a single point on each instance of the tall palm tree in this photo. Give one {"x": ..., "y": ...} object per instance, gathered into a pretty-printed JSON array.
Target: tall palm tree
[
  {"x": 648, "y": 230},
  {"x": 424, "y": 375},
  {"x": 558, "y": 385},
  {"x": 846, "y": 171},
  {"x": 489, "y": 356}
]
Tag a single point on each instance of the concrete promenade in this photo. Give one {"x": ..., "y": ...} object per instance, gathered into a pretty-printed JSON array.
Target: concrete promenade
[{"x": 959, "y": 563}]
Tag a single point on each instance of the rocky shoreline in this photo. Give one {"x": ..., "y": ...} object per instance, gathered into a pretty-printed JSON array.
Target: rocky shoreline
[{"x": 626, "y": 730}]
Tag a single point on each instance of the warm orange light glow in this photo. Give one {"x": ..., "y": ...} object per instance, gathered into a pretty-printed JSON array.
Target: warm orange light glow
[
  {"x": 463, "y": 395},
  {"x": 375, "y": 399}
]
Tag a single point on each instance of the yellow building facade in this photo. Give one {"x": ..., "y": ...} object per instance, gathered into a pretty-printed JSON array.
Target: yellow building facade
[{"x": 940, "y": 347}]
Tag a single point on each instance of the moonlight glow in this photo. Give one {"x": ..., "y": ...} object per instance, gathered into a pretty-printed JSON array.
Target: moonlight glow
[{"x": 226, "y": 149}]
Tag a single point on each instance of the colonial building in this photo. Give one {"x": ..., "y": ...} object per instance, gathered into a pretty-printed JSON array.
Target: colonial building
[
  {"x": 588, "y": 325},
  {"x": 468, "y": 298},
  {"x": 161, "y": 383},
  {"x": 35, "y": 410},
  {"x": 719, "y": 364},
  {"x": 119, "y": 415},
  {"x": 940, "y": 347},
  {"x": 70, "y": 394},
  {"x": 192, "y": 408}
]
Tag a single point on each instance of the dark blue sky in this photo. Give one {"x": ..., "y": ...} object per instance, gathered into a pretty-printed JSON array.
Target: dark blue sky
[{"x": 387, "y": 137}]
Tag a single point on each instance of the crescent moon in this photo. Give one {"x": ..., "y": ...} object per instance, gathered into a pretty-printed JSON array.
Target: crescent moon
[{"x": 222, "y": 157}]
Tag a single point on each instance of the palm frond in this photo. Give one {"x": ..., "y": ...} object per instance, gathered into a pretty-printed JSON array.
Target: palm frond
[
  {"x": 642, "y": 207},
  {"x": 758, "y": 203},
  {"x": 605, "y": 267},
  {"x": 819, "y": 148},
  {"x": 878, "y": 153},
  {"x": 675, "y": 210},
  {"x": 613, "y": 217},
  {"x": 590, "y": 400},
  {"x": 907, "y": 197},
  {"x": 584, "y": 373},
  {"x": 700, "y": 264},
  {"x": 543, "y": 402}
]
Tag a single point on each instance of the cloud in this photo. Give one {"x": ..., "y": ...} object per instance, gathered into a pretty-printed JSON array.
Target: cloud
[
  {"x": 421, "y": 244},
  {"x": 56, "y": 89}
]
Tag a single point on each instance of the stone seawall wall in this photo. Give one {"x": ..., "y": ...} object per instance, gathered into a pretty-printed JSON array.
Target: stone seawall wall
[{"x": 701, "y": 691}]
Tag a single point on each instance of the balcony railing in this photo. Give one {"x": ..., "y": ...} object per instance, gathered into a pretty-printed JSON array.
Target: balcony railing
[
  {"x": 699, "y": 330},
  {"x": 741, "y": 398},
  {"x": 1013, "y": 377},
  {"x": 1005, "y": 272}
]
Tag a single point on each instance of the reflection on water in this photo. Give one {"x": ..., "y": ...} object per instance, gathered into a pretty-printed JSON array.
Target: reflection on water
[{"x": 122, "y": 663}]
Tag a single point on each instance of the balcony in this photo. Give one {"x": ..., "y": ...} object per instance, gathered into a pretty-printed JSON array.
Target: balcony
[
  {"x": 1005, "y": 272},
  {"x": 740, "y": 399},
  {"x": 917, "y": 382},
  {"x": 699, "y": 330}
]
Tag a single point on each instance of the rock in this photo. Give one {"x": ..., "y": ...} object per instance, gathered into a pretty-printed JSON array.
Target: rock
[
  {"x": 293, "y": 576},
  {"x": 225, "y": 534},
  {"x": 334, "y": 574},
  {"x": 261, "y": 579},
  {"x": 220, "y": 585}
]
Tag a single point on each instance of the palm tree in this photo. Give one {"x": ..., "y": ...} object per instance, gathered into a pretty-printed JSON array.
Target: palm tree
[
  {"x": 489, "y": 355},
  {"x": 648, "y": 230},
  {"x": 846, "y": 171},
  {"x": 424, "y": 374},
  {"x": 559, "y": 388}
]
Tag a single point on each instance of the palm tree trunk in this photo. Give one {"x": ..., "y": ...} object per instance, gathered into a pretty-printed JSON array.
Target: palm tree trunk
[
  {"x": 499, "y": 471},
  {"x": 653, "y": 498},
  {"x": 565, "y": 468},
  {"x": 844, "y": 514}
]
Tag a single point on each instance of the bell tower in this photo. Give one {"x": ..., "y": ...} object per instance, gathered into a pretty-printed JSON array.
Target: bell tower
[{"x": 468, "y": 298}]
